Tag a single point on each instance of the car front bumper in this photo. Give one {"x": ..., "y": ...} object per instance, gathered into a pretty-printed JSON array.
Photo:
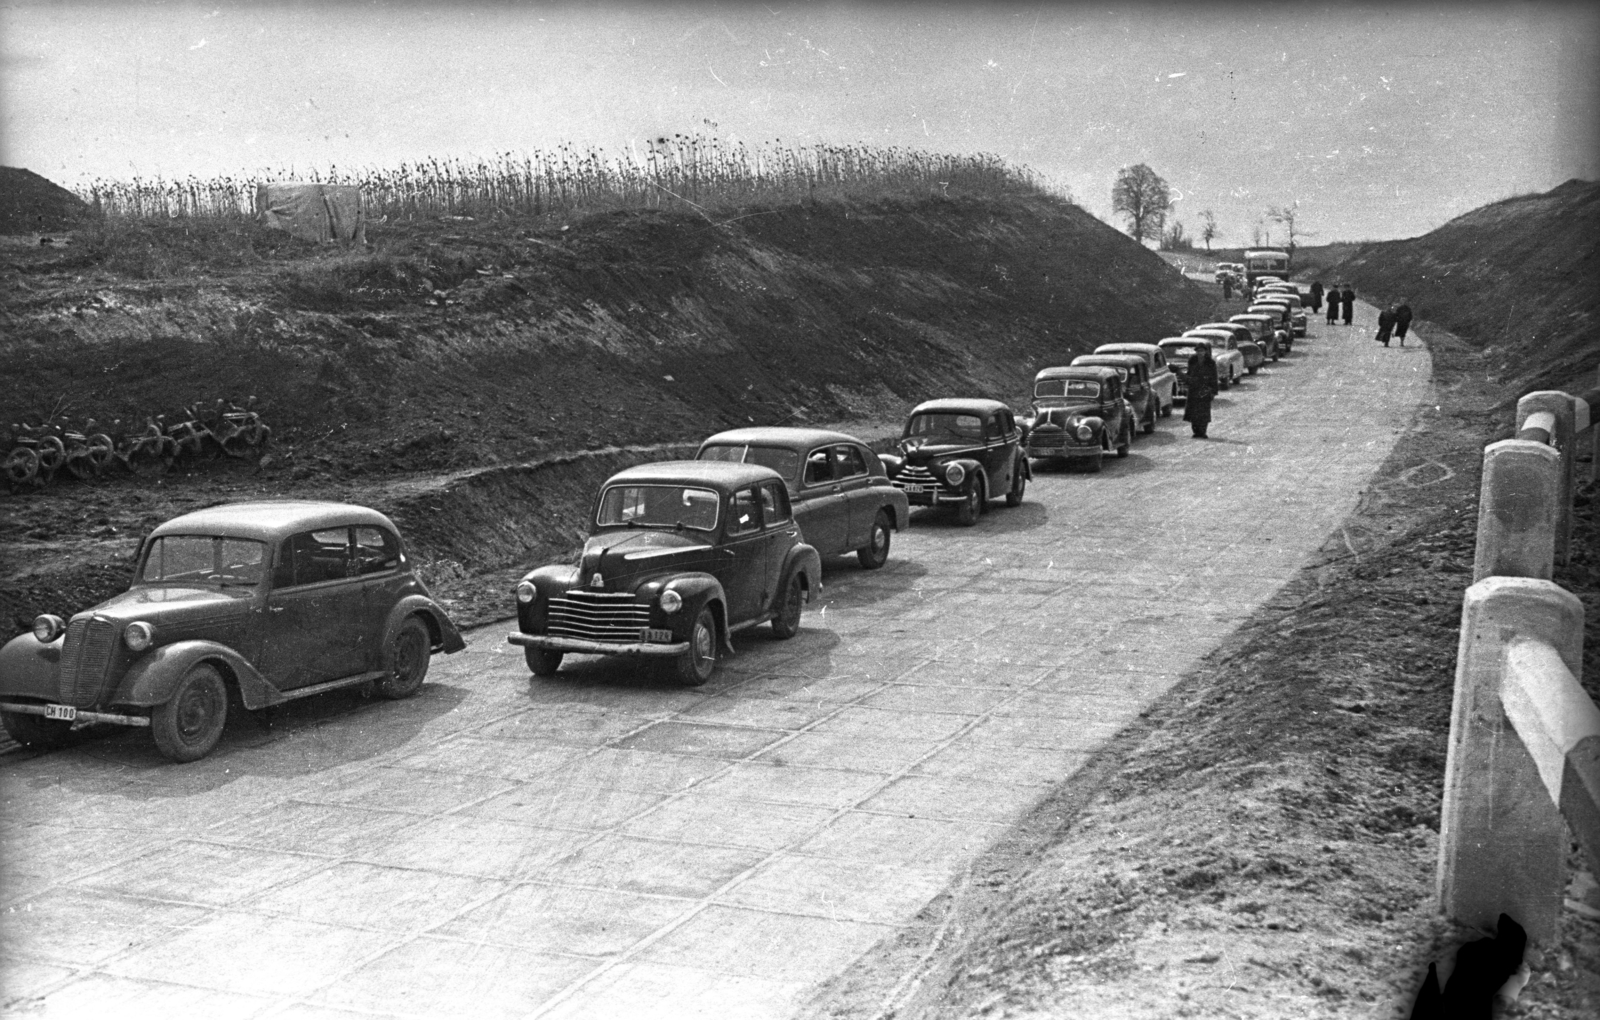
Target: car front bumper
[
  {"x": 570, "y": 644},
  {"x": 67, "y": 713},
  {"x": 926, "y": 495}
]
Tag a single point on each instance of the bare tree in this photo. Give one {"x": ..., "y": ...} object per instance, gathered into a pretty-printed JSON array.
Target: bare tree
[
  {"x": 1287, "y": 215},
  {"x": 1208, "y": 228},
  {"x": 1174, "y": 238},
  {"x": 1144, "y": 198}
]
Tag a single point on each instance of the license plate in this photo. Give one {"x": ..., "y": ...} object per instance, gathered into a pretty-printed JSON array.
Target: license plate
[
  {"x": 660, "y": 637},
  {"x": 915, "y": 488},
  {"x": 66, "y": 712}
]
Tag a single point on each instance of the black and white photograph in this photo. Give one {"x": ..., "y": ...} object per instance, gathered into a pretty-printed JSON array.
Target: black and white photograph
[{"x": 789, "y": 510}]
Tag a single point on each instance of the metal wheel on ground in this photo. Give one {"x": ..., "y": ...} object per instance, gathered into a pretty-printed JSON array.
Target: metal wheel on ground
[
  {"x": 190, "y": 723},
  {"x": 408, "y": 657},
  {"x": 787, "y": 623},
  {"x": 694, "y": 666},
  {"x": 542, "y": 661},
  {"x": 1019, "y": 483},
  {"x": 876, "y": 552},
  {"x": 971, "y": 506}
]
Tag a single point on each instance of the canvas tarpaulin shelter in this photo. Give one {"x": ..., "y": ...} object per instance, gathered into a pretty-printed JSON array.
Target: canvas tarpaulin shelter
[{"x": 316, "y": 212}]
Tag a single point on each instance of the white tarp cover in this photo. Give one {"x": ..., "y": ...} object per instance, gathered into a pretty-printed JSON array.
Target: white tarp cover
[{"x": 316, "y": 212}]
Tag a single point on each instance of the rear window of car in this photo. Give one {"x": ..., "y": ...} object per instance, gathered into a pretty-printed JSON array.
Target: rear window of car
[
  {"x": 1066, "y": 388},
  {"x": 203, "y": 559},
  {"x": 780, "y": 459}
]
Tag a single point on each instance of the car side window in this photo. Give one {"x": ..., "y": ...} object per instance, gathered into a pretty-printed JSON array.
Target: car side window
[
  {"x": 1161, "y": 361},
  {"x": 819, "y": 467},
  {"x": 312, "y": 557},
  {"x": 848, "y": 462},
  {"x": 774, "y": 504},
  {"x": 376, "y": 551},
  {"x": 744, "y": 512}
]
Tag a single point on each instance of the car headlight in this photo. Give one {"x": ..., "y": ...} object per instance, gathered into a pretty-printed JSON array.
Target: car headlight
[
  {"x": 954, "y": 475},
  {"x": 139, "y": 636},
  {"x": 671, "y": 601},
  {"x": 1085, "y": 431},
  {"x": 46, "y": 628},
  {"x": 526, "y": 592}
]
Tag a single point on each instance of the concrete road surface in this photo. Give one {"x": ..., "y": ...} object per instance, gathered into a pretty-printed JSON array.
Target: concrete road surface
[{"x": 605, "y": 847}]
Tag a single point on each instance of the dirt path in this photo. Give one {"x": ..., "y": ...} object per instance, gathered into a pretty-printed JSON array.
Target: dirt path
[{"x": 604, "y": 847}]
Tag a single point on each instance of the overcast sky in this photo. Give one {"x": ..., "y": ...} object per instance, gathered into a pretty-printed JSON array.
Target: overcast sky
[{"x": 1380, "y": 121}]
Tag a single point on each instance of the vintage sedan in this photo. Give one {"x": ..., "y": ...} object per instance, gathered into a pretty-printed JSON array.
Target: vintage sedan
[
  {"x": 1278, "y": 310},
  {"x": 258, "y": 603},
  {"x": 1224, "y": 336},
  {"x": 960, "y": 452},
  {"x": 681, "y": 556},
  {"x": 1078, "y": 413},
  {"x": 841, "y": 495},
  {"x": 1230, "y": 364},
  {"x": 1297, "y": 311},
  {"x": 1273, "y": 339},
  {"x": 1245, "y": 337},
  {"x": 1162, "y": 381},
  {"x": 1134, "y": 375}
]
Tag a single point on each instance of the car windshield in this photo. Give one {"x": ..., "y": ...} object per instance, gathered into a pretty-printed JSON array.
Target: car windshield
[
  {"x": 945, "y": 425},
  {"x": 780, "y": 459},
  {"x": 203, "y": 559},
  {"x": 1179, "y": 352},
  {"x": 659, "y": 506},
  {"x": 1085, "y": 388}
]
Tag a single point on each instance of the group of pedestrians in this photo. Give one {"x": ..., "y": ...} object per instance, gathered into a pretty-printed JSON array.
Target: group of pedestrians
[
  {"x": 1394, "y": 321},
  {"x": 1341, "y": 299}
]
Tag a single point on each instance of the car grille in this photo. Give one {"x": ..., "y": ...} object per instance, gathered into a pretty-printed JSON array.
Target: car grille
[
  {"x": 598, "y": 616},
  {"x": 1046, "y": 439},
  {"x": 918, "y": 474},
  {"x": 84, "y": 657}
]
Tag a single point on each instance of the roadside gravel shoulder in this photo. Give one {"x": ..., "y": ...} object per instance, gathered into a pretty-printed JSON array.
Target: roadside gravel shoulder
[{"x": 1263, "y": 842}]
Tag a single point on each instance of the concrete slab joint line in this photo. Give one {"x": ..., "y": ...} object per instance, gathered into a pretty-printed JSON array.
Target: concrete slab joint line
[
  {"x": 1502, "y": 841},
  {"x": 595, "y": 846}
]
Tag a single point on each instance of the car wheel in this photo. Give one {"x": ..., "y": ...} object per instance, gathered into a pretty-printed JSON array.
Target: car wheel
[
  {"x": 542, "y": 661},
  {"x": 1254, "y": 369},
  {"x": 876, "y": 552},
  {"x": 787, "y": 623},
  {"x": 1225, "y": 381},
  {"x": 36, "y": 731},
  {"x": 1096, "y": 462},
  {"x": 1019, "y": 484},
  {"x": 971, "y": 505},
  {"x": 1150, "y": 420},
  {"x": 694, "y": 666},
  {"x": 189, "y": 724},
  {"x": 408, "y": 660},
  {"x": 1126, "y": 437}
]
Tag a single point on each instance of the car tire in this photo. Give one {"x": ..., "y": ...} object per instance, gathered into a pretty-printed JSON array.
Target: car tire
[
  {"x": 971, "y": 506},
  {"x": 1019, "y": 483},
  {"x": 37, "y": 732},
  {"x": 188, "y": 725},
  {"x": 876, "y": 552},
  {"x": 542, "y": 661},
  {"x": 694, "y": 667},
  {"x": 1127, "y": 439},
  {"x": 1254, "y": 369},
  {"x": 786, "y": 624},
  {"x": 407, "y": 663},
  {"x": 1150, "y": 421},
  {"x": 1096, "y": 462},
  {"x": 1225, "y": 381}
]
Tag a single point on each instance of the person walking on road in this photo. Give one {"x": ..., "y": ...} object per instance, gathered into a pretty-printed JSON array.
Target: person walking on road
[
  {"x": 1227, "y": 287},
  {"x": 1385, "y": 325},
  {"x": 1316, "y": 296},
  {"x": 1402, "y": 321},
  {"x": 1347, "y": 297},
  {"x": 1333, "y": 305},
  {"x": 1201, "y": 383}
]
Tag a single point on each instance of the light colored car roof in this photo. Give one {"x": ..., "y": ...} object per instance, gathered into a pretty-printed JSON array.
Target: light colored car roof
[
  {"x": 271, "y": 519},
  {"x": 714, "y": 473},
  {"x": 1098, "y": 372},
  {"x": 772, "y": 435},
  {"x": 1127, "y": 348},
  {"x": 959, "y": 405},
  {"x": 1110, "y": 358}
]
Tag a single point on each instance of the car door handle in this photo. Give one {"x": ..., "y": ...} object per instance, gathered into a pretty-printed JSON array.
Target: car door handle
[{"x": 838, "y": 488}]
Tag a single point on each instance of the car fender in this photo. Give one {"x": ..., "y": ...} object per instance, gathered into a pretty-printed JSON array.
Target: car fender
[
  {"x": 973, "y": 467},
  {"x": 446, "y": 637},
  {"x": 804, "y": 560},
  {"x": 30, "y": 668},
  {"x": 697, "y": 589},
  {"x": 150, "y": 680},
  {"x": 899, "y": 506}
]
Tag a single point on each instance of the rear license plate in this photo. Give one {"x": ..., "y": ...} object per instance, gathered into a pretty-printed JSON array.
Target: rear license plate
[
  {"x": 917, "y": 489},
  {"x": 660, "y": 637},
  {"x": 66, "y": 712}
]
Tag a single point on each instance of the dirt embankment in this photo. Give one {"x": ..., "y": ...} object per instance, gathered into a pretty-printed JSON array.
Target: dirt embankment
[{"x": 390, "y": 374}]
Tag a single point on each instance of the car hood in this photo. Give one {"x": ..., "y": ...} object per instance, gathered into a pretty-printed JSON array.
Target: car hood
[
  {"x": 1066, "y": 414},
  {"x": 924, "y": 451},
  {"x": 625, "y": 558},
  {"x": 174, "y": 602}
]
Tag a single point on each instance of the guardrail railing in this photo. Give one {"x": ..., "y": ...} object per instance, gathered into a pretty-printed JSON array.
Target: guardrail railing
[{"x": 1523, "y": 765}]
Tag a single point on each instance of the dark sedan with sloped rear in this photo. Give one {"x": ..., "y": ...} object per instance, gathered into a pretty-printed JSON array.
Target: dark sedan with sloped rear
[
  {"x": 841, "y": 495},
  {"x": 681, "y": 555},
  {"x": 254, "y": 603},
  {"x": 960, "y": 452}
]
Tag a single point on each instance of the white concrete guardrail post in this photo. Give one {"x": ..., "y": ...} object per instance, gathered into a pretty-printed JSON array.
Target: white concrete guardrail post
[
  {"x": 1552, "y": 414},
  {"x": 1518, "y": 511},
  {"x": 1502, "y": 842}
]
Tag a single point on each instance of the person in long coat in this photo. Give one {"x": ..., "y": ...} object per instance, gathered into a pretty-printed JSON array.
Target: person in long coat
[
  {"x": 1402, "y": 321},
  {"x": 1385, "y": 325},
  {"x": 1316, "y": 296},
  {"x": 1227, "y": 286},
  {"x": 1333, "y": 305},
  {"x": 1201, "y": 382},
  {"x": 1347, "y": 297}
]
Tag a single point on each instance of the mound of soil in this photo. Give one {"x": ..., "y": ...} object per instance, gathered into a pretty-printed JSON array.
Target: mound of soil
[{"x": 31, "y": 204}]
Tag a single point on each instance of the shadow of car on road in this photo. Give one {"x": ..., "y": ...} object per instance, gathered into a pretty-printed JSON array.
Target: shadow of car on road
[
  {"x": 846, "y": 583},
  {"x": 996, "y": 517}
]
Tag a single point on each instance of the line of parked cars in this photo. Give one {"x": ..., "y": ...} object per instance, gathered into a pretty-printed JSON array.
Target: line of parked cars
[{"x": 253, "y": 605}]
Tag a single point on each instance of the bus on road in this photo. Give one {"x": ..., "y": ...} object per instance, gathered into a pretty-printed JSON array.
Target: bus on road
[{"x": 1260, "y": 262}]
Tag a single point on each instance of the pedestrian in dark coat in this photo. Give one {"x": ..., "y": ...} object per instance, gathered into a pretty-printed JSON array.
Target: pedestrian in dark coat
[
  {"x": 1385, "y": 325},
  {"x": 1316, "y": 296},
  {"x": 1227, "y": 288},
  {"x": 1333, "y": 305},
  {"x": 1347, "y": 297},
  {"x": 1200, "y": 381},
  {"x": 1402, "y": 322}
]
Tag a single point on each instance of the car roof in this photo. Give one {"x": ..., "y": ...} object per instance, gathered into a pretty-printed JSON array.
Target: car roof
[
  {"x": 1109, "y": 358},
  {"x": 961, "y": 405},
  {"x": 1253, "y": 316},
  {"x": 1219, "y": 325},
  {"x": 1191, "y": 341},
  {"x": 270, "y": 519},
  {"x": 1129, "y": 347},
  {"x": 1097, "y": 372},
  {"x": 1197, "y": 331},
  {"x": 719, "y": 474},
  {"x": 774, "y": 435}
]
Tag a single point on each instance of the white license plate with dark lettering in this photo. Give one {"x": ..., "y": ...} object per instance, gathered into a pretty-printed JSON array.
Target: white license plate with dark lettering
[
  {"x": 66, "y": 712},
  {"x": 916, "y": 489},
  {"x": 660, "y": 637}
]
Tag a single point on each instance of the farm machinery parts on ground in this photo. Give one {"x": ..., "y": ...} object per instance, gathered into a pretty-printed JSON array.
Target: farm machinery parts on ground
[{"x": 39, "y": 450}]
